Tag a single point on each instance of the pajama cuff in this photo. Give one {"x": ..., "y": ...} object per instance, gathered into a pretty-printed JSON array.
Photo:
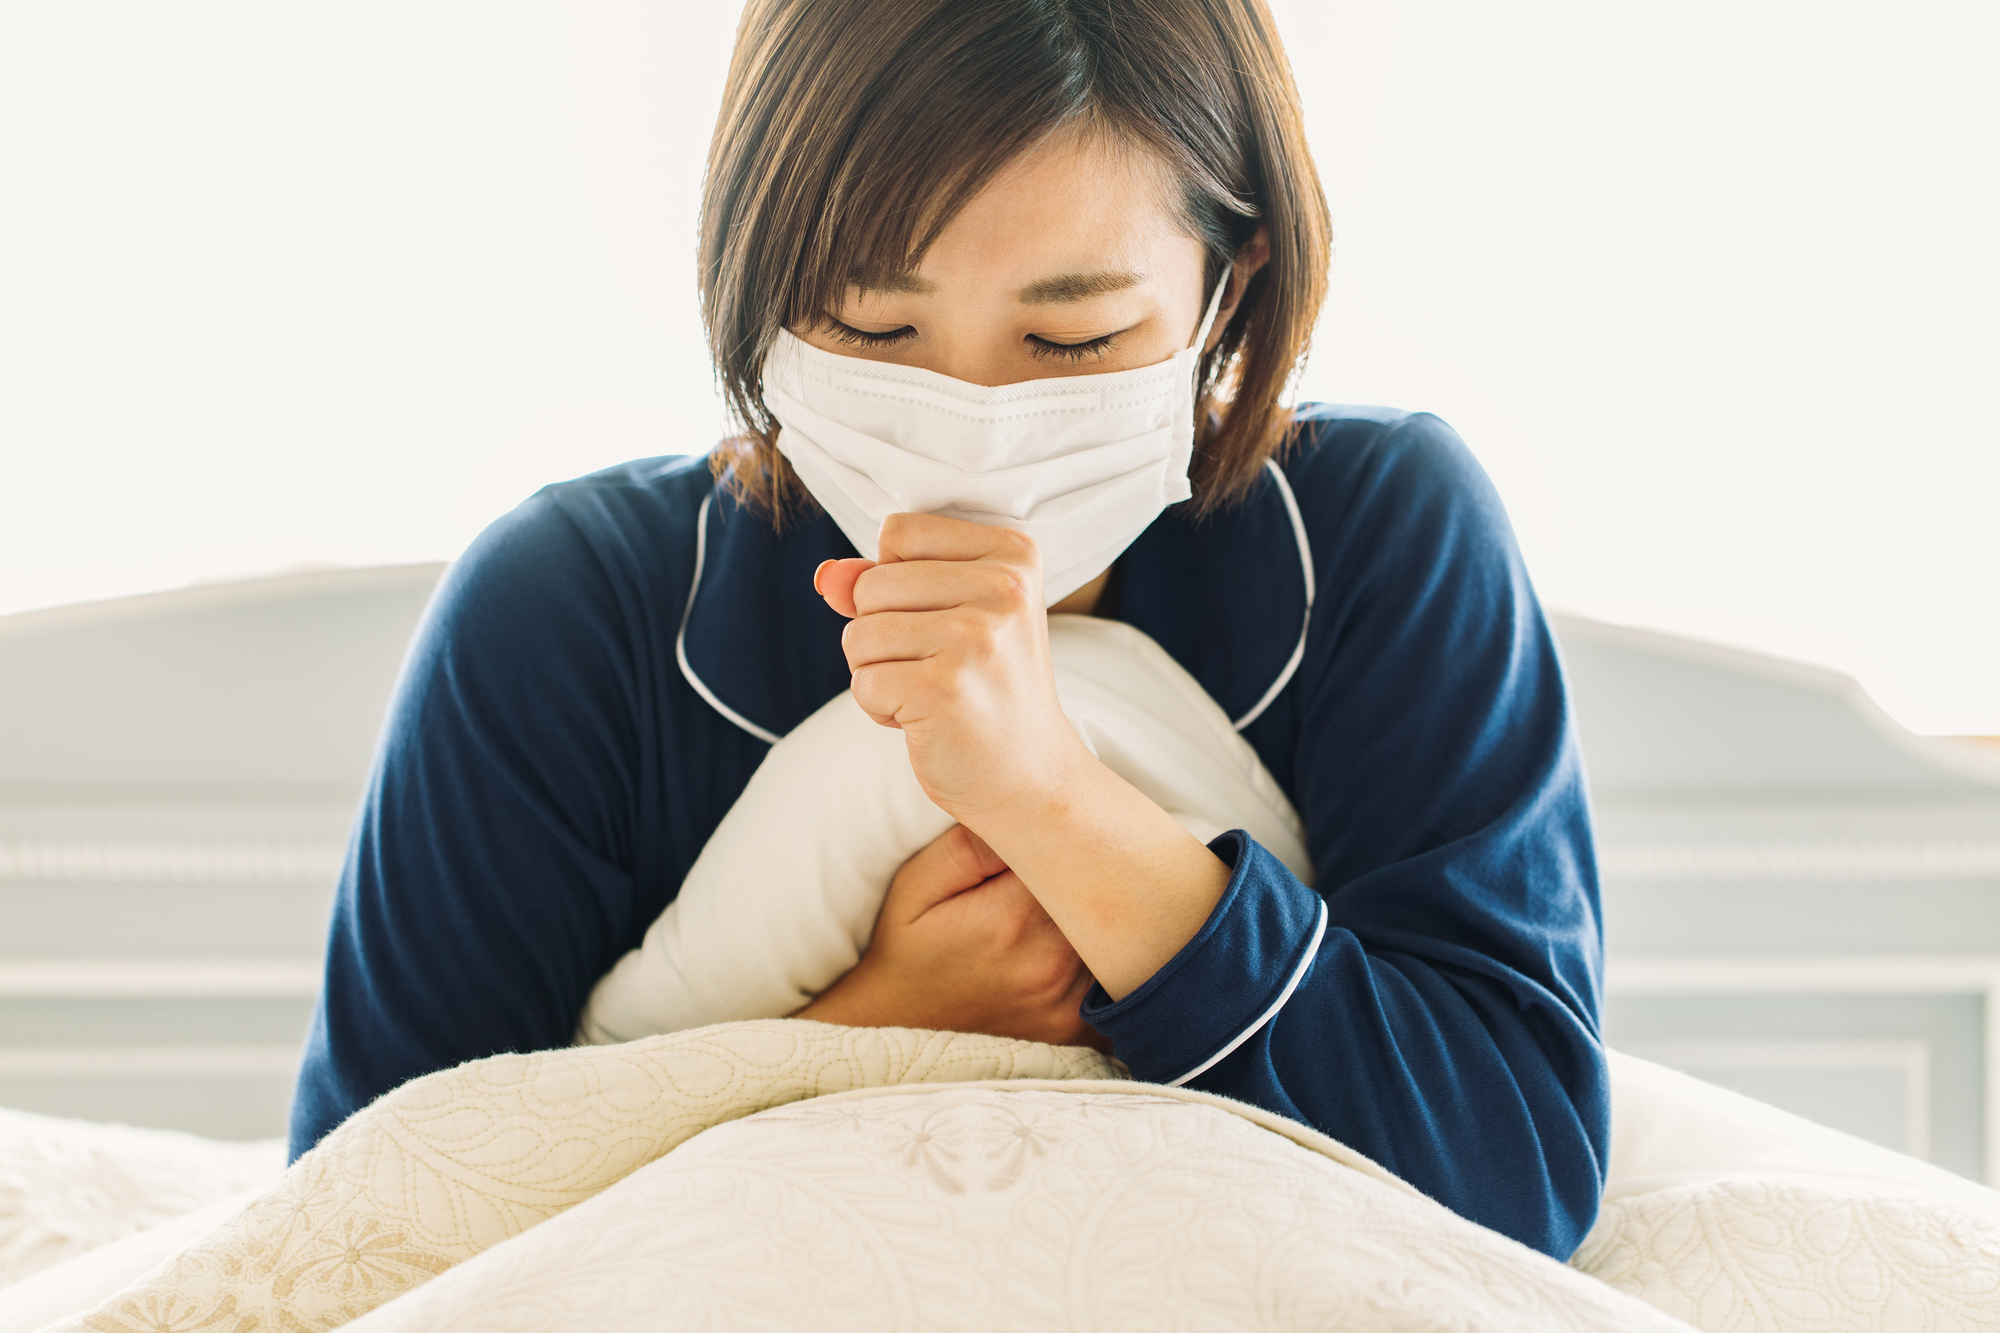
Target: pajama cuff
[{"x": 1228, "y": 981}]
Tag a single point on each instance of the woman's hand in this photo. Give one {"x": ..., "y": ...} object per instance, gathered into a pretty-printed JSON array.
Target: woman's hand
[
  {"x": 961, "y": 945},
  {"x": 950, "y": 642}
]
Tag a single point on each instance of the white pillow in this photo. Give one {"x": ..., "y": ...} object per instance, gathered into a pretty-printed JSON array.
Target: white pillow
[
  {"x": 70, "y": 1186},
  {"x": 783, "y": 899},
  {"x": 1671, "y": 1131},
  {"x": 79, "y": 1282},
  {"x": 1737, "y": 1216},
  {"x": 1777, "y": 1256}
]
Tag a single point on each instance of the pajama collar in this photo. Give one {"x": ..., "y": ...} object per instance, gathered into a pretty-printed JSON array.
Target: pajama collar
[{"x": 764, "y": 650}]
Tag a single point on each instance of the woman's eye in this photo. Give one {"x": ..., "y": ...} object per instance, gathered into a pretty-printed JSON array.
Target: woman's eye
[
  {"x": 1092, "y": 347},
  {"x": 853, "y": 337}
]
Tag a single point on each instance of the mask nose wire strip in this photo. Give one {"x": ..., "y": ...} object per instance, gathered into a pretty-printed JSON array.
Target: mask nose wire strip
[
  {"x": 680, "y": 639},
  {"x": 1306, "y": 565}
]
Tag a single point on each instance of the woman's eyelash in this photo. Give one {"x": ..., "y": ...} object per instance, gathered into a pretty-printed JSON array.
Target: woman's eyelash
[
  {"x": 1092, "y": 347},
  {"x": 1037, "y": 346},
  {"x": 854, "y": 337}
]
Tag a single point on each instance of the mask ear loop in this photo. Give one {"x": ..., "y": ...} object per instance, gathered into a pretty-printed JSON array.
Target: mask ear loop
[
  {"x": 1208, "y": 317},
  {"x": 1207, "y": 323}
]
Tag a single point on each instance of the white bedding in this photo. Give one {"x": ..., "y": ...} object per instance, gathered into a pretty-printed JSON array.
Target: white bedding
[
  {"x": 455, "y": 1163},
  {"x": 67, "y": 1188},
  {"x": 929, "y": 1180},
  {"x": 902, "y": 1179},
  {"x": 1734, "y": 1215},
  {"x": 989, "y": 1207},
  {"x": 80, "y": 1282}
]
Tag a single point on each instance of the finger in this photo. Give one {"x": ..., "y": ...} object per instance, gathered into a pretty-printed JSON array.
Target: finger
[
  {"x": 937, "y": 585},
  {"x": 896, "y": 694},
  {"x": 884, "y": 720},
  {"x": 912, "y": 636},
  {"x": 834, "y": 580},
  {"x": 935, "y": 537},
  {"x": 908, "y": 693},
  {"x": 952, "y": 863}
]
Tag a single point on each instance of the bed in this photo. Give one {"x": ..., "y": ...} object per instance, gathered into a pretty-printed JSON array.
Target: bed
[{"x": 779, "y": 1174}]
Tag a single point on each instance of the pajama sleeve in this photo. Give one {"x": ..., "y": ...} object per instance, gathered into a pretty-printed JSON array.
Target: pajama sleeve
[
  {"x": 1432, "y": 1000},
  {"x": 486, "y": 884}
]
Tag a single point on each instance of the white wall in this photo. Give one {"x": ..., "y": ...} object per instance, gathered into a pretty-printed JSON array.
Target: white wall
[
  {"x": 1710, "y": 287},
  {"x": 335, "y": 282},
  {"x": 1707, "y": 286}
]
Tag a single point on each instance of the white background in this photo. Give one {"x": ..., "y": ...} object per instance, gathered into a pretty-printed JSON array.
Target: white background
[{"x": 1709, "y": 287}]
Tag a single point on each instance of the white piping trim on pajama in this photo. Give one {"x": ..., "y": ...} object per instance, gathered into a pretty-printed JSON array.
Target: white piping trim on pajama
[
  {"x": 680, "y": 640},
  {"x": 1306, "y": 564},
  {"x": 1298, "y": 975},
  {"x": 1285, "y": 675}
]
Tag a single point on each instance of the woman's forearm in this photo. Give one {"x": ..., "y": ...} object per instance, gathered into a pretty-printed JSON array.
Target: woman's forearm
[{"x": 1125, "y": 882}]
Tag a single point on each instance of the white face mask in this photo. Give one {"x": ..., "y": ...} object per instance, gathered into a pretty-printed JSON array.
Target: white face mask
[{"x": 1081, "y": 463}]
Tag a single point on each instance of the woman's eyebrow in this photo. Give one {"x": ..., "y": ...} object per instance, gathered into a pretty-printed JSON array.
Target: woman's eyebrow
[
  {"x": 1077, "y": 287},
  {"x": 892, "y": 283}
]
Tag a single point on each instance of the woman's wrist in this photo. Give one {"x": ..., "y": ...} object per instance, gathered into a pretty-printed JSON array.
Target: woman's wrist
[{"x": 1121, "y": 878}]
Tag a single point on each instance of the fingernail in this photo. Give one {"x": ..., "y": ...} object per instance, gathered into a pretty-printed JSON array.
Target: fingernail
[{"x": 817, "y": 571}]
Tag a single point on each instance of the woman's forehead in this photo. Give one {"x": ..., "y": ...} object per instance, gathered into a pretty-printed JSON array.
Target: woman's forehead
[{"x": 1076, "y": 216}]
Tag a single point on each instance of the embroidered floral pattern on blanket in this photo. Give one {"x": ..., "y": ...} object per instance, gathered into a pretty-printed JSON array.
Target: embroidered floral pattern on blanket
[
  {"x": 1003, "y": 1208},
  {"x": 451, "y": 1164},
  {"x": 1760, "y": 1256}
]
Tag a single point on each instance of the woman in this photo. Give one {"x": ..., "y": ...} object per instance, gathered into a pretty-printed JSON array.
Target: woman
[{"x": 1110, "y": 203}]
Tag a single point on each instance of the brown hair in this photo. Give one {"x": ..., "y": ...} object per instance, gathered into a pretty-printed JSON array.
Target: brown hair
[{"x": 852, "y": 131}]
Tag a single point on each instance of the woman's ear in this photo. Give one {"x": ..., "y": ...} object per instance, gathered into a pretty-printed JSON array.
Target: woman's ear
[{"x": 1256, "y": 253}]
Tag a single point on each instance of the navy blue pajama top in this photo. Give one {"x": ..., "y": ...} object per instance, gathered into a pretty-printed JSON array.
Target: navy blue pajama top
[{"x": 595, "y": 680}]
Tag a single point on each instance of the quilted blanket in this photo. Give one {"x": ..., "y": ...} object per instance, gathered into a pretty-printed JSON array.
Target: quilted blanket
[
  {"x": 790, "y": 1175},
  {"x": 867, "y": 1178},
  {"x": 1034, "y": 1207}
]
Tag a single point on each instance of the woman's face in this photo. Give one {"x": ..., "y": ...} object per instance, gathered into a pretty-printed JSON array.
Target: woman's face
[{"x": 1072, "y": 261}]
